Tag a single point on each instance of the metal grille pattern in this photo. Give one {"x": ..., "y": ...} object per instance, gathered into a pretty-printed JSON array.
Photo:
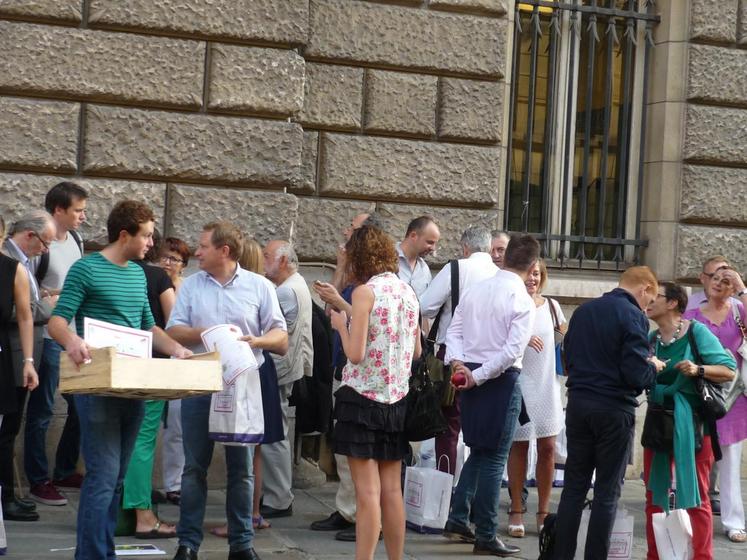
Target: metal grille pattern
[{"x": 578, "y": 108}]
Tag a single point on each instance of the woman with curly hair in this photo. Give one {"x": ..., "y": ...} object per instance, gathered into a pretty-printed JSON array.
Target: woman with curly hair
[{"x": 380, "y": 340}]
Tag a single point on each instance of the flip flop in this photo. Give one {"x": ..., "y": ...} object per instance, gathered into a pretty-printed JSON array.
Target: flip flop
[
  {"x": 154, "y": 533},
  {"x": 260, "y": 522}
]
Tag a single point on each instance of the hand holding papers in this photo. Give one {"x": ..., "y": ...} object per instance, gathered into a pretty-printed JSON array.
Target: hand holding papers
[
  {"x": 236, "y": 356},
  {"x": 133, "y": 343}
]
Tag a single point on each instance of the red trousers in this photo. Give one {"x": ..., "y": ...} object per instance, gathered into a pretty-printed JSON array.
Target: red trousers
[{"x": 701, "y": 517}]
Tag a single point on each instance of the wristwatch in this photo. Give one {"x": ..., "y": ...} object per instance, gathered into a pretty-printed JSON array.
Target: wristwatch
[{"x": 701, "y": 371}]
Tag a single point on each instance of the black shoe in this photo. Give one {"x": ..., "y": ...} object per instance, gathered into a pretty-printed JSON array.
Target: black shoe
[
  {"x": 247, "y": 554},
  {"x": 348, "y": 535},
  {"x": 157, "y": 497},
  {"x": 335, "y": 522},
  {"x": 715, "y": 506},
  {"x": 25, "y": 505},
  {"x": 185, "y": 553},
  {"x": 13, "y": 511},
  {"x": 494, "y": 548},
  {"x": 270, "y": 512},
  {"x": 458, "y": 532}
]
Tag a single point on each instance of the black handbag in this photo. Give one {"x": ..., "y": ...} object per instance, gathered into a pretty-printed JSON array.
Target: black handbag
[
  {"x": 716, "y": 398},
  {"x": 658, "y": 429},
  {"x": 424, "y": 418}
]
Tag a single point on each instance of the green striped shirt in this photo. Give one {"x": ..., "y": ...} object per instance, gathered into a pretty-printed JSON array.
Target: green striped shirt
[{"x": 97, "y": 288}]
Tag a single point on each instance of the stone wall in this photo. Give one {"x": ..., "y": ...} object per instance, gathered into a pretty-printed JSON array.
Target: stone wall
[{"x": 284, "y": 116}]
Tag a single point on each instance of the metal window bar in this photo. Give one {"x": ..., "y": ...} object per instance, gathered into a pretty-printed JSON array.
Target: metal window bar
[{"x": 581, "y": 15}]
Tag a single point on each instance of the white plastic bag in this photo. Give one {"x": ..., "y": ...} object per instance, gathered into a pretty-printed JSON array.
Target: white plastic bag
[
  {"x": 236, "y": 413},
  {"x": 621, "y": 539},
  {"x": 462, "y": 453},
  {"x": 427, "y": 497},
  {"x": 673, "y": 534}
]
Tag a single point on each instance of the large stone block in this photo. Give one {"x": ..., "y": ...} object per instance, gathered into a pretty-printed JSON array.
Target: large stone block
[
  {"x": 98, "y": 65},
  {"x": 226, "y": 150},
  {"x": 742, "y": 35},
  {"x": 333, "y": 97},
  {"x": 266, "y": 21},
  {"x": 716, "y": 134},
  {"x": 451, "y": 221},
  {"x": 492, "y": 7},
  {"x": 471, "y": 110},
  {"x": 62, "y": 10},
  {"x": 309, "y": 157},
  {"x": 38, "y": 134},
  {"x": 714, "y": 20},
  {"x": 390, "y": 168},
  {"x": 697, "y": 243},
  {"x": 406, "y": 38},
  {"x": 19, "y": 192},
  {"x": 714, "y": 195},
  {"x": 321, "y": 222},
  {"x": 255, "y": 80},
  {"x": 718, "y": 74},
  {"x": 401, "y": 103},
  {"x": 262, "y": 215}
]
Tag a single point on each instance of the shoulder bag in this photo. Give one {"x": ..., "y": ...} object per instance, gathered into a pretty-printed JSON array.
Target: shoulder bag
[{"x": 559, "y": 336}]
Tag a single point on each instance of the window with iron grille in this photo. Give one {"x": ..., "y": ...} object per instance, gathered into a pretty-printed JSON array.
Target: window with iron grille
[{"x": 578, "y": 108}]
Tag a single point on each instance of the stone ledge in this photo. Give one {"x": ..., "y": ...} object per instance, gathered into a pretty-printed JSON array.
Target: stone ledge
[
  {"x": 252, "y": 21},
  {"x": 38, "y": 134},
  {"x": 262, "y": 215},
  {"x": 715, "y": 135},
  {"x": 192, "y": 147},
  {"x": 256, "y": 80},
  {"x": 61, "y": 61},
  {"x": 699, "y": 201},
  {"x": 19, "y": 192},
  {"x": 400, "y": 37},
  {"x": 390, "y": 168}
]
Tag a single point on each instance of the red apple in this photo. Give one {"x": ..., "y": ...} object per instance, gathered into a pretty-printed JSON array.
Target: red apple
[{"x": 458, "y": 379}]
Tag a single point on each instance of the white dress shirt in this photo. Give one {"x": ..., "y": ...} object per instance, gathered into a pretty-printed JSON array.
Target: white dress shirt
[
  {"x": 475, "y": 268},
  {"x": 492, "y": 326}
]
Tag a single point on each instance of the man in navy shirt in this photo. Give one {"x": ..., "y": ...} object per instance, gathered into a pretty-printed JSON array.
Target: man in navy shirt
[{"x": 609, "y": 364}]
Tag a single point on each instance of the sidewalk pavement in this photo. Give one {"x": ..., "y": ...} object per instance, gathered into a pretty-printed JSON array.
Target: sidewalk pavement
[{"x": 289, "y": 538}]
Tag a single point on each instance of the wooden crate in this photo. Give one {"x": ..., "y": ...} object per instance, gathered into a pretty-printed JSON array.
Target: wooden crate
[{"x": 138, "y": 378}]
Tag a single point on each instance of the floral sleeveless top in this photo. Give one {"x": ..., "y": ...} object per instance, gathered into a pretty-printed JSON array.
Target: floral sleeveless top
[{"x": 384, "y": 373}]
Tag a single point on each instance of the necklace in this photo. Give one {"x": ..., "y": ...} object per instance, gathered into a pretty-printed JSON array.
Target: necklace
[{"x": 675, "y": 336}]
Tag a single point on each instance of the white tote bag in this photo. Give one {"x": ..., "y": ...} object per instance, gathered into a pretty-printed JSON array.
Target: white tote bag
[
  {"x": 621, "y": 539},
  {"x": 236, "y": 414},
  {"x": 427, "y": 497},
  {"x": 673, "y": 534}
]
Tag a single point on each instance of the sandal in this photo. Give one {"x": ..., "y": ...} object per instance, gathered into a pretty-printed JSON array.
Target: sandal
[
  {"x": 541, "y": 525},
  {"x": 516, "y": 531},
  {"x": 260, "y": 522},
  {"x": 737, "y": 535},
  {"x": 154, "y": 533}
]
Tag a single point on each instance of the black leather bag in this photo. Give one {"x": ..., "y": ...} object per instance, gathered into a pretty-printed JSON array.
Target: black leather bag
[
  {"x": 424, "y": 418},
  {"x": 716, "y": 398},
  {"x": 658, "y": 429}
]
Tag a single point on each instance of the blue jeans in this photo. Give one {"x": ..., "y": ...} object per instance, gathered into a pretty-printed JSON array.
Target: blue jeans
[
  {"x": 38, "y": 416},
  {"x": 198, "y": 452},
  {"x": 480, "y": 481},
  {"x": 108, "y": 428}
]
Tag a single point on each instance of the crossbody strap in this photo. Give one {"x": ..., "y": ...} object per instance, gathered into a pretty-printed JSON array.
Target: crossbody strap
[
  {"x": 454, "y": 273},
  {"x": 554, "y": 313},
  {"x": 693, "y": 344}
]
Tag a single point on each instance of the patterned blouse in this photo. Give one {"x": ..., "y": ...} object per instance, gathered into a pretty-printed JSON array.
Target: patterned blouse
[{"x": 384, "y": 373}]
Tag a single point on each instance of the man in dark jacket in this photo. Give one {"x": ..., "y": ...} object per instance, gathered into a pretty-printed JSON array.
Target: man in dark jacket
[{"x": 609, "y": 364}]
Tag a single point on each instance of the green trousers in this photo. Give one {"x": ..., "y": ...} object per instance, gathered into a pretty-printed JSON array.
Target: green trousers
[{"x": 138, "y": 481}]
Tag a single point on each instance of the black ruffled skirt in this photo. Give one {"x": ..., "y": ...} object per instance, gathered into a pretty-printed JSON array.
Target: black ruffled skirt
[{"x": 367, "y": 429}]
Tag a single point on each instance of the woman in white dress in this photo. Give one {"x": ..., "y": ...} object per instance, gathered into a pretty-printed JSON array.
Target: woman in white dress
[{"x": 540, "y": 389}]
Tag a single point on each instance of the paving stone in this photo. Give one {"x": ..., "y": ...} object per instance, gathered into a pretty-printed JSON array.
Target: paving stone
[
  {"x": 716, "y": 135},
  {"x": 225, "y": 150},
  {"x": 283, "y": 22},
  {"x": 62, "y": 61},
  {"x": 63, "y": 10},
  {"x": 404, "y": 37},
  {"x": 471, "y": 110},
  {"x": 259, "y": 214},
  {"x": 321, "y": 222},
  {"x": 38, "y": 134},
  {"x": 256, "y": 80},
  {"x": 19, "y": 192},
  {"x": 718, "y": 75},
  {"x": 401, "y": 103},
  {"x": 333, "y": 97},
  {"x": 408, "y": 170}
]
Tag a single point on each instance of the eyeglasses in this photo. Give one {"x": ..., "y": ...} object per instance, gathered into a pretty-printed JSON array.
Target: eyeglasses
[
  {"x": 44, "y": 243},
  {"x": 724, "y": 281},
  {"x": 171, "y": 260}
]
